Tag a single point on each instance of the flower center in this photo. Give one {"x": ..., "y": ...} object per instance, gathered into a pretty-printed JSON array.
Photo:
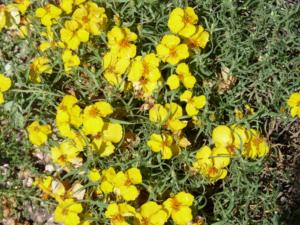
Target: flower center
[
  {"x": 93, "y": 112},
  {"x": 62, "y": 158},
  {"x": 231, "y": 148},
  {"x": 186, "y": 19},
  {"x": 212, "y": 170},
  {"x": 143, "y": 81},
  {"x": 65, "y": 211},
  {"x": 36, "y": 129},
  {"x": 111, "y": 69},
  {"x": 124, "y": 43},
  {"x": 117, "y": 219},
  {"x": 173, "y": 52},
  {"x": 257, "y": 141},
  {"x": 144, "y": 221},
  {"x": 85, "y": 19},
  {"x": 146, "y": 68},
  {"x": 175, "y": 204}
]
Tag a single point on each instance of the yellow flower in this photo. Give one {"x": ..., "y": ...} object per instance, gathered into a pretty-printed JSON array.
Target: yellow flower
[
  {"x": 67, "y": 212},
  {"x": 45, "y": 185},
  {"x": 222, "y": 136},
  {"x": 194, "y": 104},
  {"x": 167, "y": 116},
  {"x": 69, "y": 60},
  {"x": 102, "y": 142},
  {"x": 66, "y": 153},
  {"x": 124, "y": 184},
  {"x": 182, "y": 21},
  {"x": 5, "y": 84},
  {"x": 144, "y": 67},
  {"x": 49, "y": 42},
  {"x": 232, "y": 138},
  {"x": 67, "y": 5},
  {"x": 22, "y": 5},
  {"x": 241, "y": 136},
  {"x": 256, "y": 147},
  {"x": 294, "y": 103},
  {"x": 49, "y": 14},
  {"x": 38, "y": 66},
  {"x": 117, "y": 213},
  {"x": 199, "y": 39},
  {"x": 72, "y": 34},
  {"x": 38, "y": 134},
  {"x": 179, "y": 207},
  {"x": 211, "y": 163},
  {"x": 238, "y": 114},
  {"x": 68, "y": 115},
  {"x": 50, "y": 187},
  {"x": 108, "y": 176},
  {"x": 144, "y": 73},
  {"x": 151, "y": 214},
  {"x": 163, "y": 143},
  {"x": 158, "y": 114},
  {"x": 220, "y": 157},
  {"x": 91, "y": 17},
  {"x": 92, "y": 117},
  {"x": 94, "y": 175},
  {"x": 183, "y": 75},
  {"x": 119, "y": 42},
  {"x": 170, "y": 50},
  {"x": 114, "y": 68},
  {"x": 175, "y": 113}
]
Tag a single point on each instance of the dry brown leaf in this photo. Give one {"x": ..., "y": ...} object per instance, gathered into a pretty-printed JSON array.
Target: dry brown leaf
[
  {"x": 226, "y": 80},
  {"x": 76, "y": 191}
]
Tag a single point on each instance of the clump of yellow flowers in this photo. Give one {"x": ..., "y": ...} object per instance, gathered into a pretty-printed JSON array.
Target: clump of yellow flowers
[
  {"x": 229, "y": 141},
  {"x": 90, "y": 163}
]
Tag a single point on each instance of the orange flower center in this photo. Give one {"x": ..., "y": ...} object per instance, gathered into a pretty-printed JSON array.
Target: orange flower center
[
  {"x": 93, "y": 112},
  {"x": 257, "y": 141},
  {"x": 144, "y": 221},
  {"x": 63, "y": 108},
  {"x": 146, "y": 68},
  {"x": 212, "y": 170},
  {"x": 62, "y": 158},
  {"x": 111, "y": 69},
  {"x": 180, "y": 76},
  {"x": 85, "y": 19},
  {"x": 175, "y": 204},
  {"x": 192, "y": 43},
  {"x": 117, "y": 219},
  {"x": 173, "y": 52},
  {"x": 143, "y": 81},
  {"x": 124, "y": 43},
  {"x": 36, "y": 129},
  {"x": 186, "y": 19},
  {"x": 231, "y": 149}
]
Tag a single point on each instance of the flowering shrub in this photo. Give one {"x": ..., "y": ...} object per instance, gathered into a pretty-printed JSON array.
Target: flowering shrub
[{"x": 150, "y": 100}]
